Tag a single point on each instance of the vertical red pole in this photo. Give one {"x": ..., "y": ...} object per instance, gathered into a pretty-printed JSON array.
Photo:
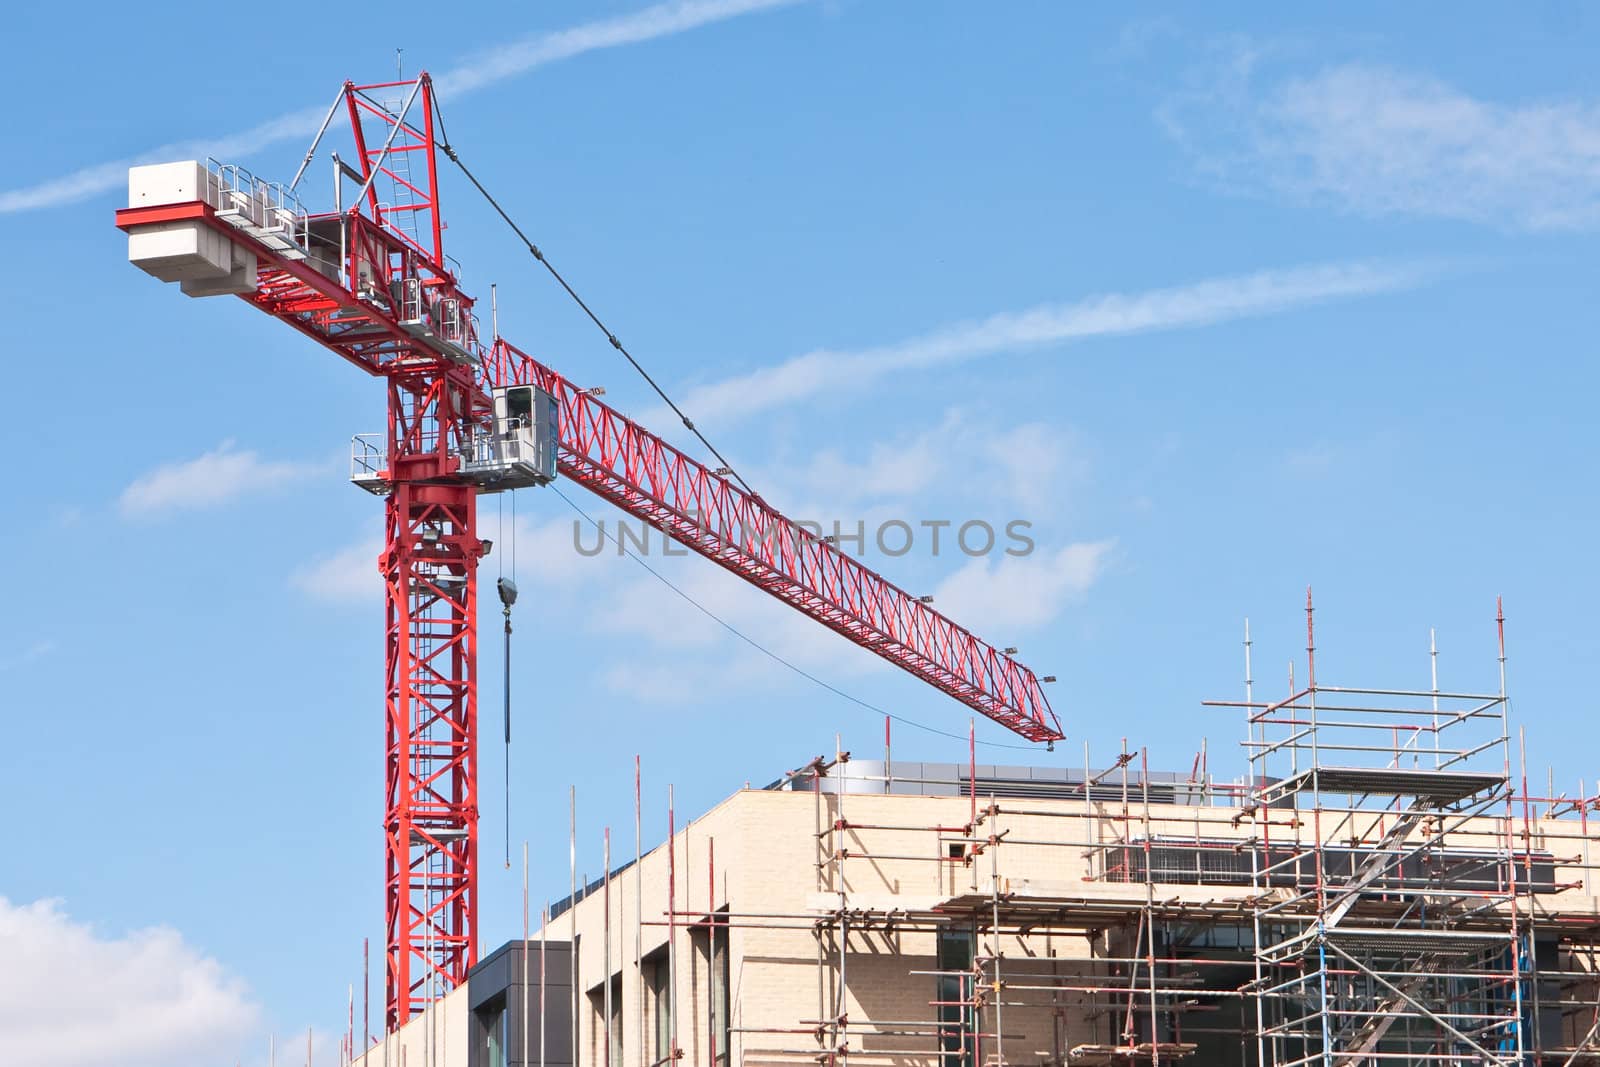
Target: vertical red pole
[
  {"x": 361, "y": 149},
  {"x": 711, "y": 952},
  {"x": 433, "y": 172},
  {"x": 972, "y": 771},
  {"x": 672, "y": 925},
  {"x": 605, "y": 969},
  {"x": 1311, "y": 645},
  {"x": 888, "y": 763}
]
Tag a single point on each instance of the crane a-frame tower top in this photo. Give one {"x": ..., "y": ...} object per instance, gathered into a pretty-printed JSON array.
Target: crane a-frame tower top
[{"x": 369, "y": 281}]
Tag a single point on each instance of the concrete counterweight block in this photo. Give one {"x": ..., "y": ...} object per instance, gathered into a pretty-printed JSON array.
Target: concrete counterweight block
[{"x": 197, "y": 256}]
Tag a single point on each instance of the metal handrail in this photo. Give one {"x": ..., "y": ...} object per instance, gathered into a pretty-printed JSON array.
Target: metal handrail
[{"x": 369, "y": 456}]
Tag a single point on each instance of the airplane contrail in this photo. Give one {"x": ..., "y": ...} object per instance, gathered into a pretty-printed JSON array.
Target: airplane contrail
[{"x": 495, "y": 65}]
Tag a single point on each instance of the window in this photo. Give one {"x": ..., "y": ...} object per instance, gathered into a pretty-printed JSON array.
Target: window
[
  {"x": 711, "y": 952},
  {"x": 519, "y": 405},
  {"x": 954, "y": 958},
  {"x": 496, "y": 1024},
  {"x": 657, "y": 985},
  {"x": 617, "y": 1055},
  {"x": 605, "y": 1031},
  {"x": 721, "y": 996}
]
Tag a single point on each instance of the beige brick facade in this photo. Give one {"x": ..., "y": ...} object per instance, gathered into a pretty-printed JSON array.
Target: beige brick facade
[
  {"x": 762, "y": 857},
  {"x": 793, "y": 877}
]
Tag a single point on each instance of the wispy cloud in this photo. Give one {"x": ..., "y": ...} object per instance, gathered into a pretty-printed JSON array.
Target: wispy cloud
[
  {"x": 495, "y": 65},
  {"x": 36, "y": 651},
  {"x": 347, "y": 576},
  {"x": 1380, "y": 141},
  {"x": 678, "y": 655},
  {"x": 962, "y": 461},
  {"x": 544, "y": 555},
  {"x": 1203, "y": 303},
  {"x": 68, "y": 993},
  {"x": 209, "y": 480},
  {"x": 999, "y": 595},
  {"x": 648, "y": 24}
]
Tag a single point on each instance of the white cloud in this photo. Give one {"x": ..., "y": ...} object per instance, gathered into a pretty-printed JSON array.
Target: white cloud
[
  {"x": 208, "y": 480},
  {"x": 660, "y": 20},
  {"x": 1035, "y": 462},
  {"x": 883, "y": 470},
  {"x": 961, "y": 467},
  {"x": 35, "y": 651},
  {"x": 498, "y": 64},
  {"x": 348, "y": 576},
  {"x": 678, "y": 654},
  {"x": 652, "y": 615},
  {"x": 692, "y": 684},
  {"x": 73, "y": 997},
  {"x": 546, "y": 554},
  {"x": 889, "y": 469},
  {"x": 998, "y": 594},
  {"x": 545, "y": 557},
  {"x": 668, "y": 651},
  {"x": 1200, "y": 304},
  {"x": 1380, "y": 141}
]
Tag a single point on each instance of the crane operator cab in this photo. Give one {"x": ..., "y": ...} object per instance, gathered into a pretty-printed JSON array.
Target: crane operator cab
[{"x": 521, "y": 449}]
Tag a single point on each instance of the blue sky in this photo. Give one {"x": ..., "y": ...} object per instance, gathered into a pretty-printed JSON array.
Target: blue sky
[{"x": 1224, "y": 304}]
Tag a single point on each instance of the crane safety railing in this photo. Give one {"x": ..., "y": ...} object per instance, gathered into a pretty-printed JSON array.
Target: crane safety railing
[
  {"x": 268, "y": 211},
  {"x": 369, "y": 457}
]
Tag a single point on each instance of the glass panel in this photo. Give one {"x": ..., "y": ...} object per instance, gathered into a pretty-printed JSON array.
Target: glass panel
[
  {"x": 721, "y": 994},
  {"x": 954, "y": 995},
  {"x": 519, "y": 404},
  {"x": 618, "y": 1054},
  {"x": 660, "y": 1010},
  {"x": 497, "y": 1028}
]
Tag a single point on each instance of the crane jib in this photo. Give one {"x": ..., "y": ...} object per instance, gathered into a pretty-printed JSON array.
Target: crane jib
[{"x": 652, "y": 480}]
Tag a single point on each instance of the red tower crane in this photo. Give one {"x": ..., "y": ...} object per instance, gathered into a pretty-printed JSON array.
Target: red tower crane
[{"x": 370, "y": 282}]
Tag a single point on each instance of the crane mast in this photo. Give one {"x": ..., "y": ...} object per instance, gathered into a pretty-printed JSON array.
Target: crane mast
[{"x": 467, "y": 416}]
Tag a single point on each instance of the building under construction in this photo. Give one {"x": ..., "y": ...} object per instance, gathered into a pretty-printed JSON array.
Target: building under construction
[
  {"x": 1381, "y": 888},
  {"x": 1378, "y": 887}
]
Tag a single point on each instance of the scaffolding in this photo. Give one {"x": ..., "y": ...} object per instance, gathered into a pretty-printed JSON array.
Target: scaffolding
[
  {"x": 1392, "y": 927},
  {"x": 1378, "y": 888},
  {"x": 1387, "y": 894}
]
